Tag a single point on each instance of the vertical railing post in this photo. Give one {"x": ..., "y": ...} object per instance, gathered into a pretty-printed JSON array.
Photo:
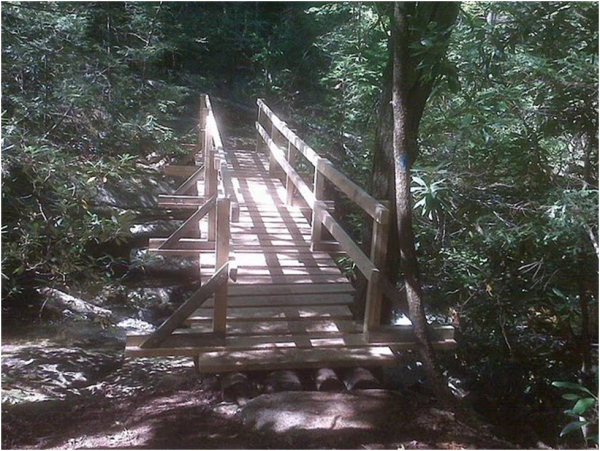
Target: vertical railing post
[
  {"x": 319, "y": 192},
  {"x": 372, "y": 310},
  {"x": 210, "y": 177},
  {"x": 276, "y": 137},
  {"x": 222, "y": 257},
  {"x": 259, "y": 143},
  {"x": 379, "y": 246},
  {"x": 289, "y": 185},
  {"x": 202, "y": 125}
]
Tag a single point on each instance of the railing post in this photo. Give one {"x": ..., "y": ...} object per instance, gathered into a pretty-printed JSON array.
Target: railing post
[
  {"x": 373, "y": 305},
  {"x": 289, "y": 185},
  {"x": 319, "y": 192},
  {"x": 222, "y": 257},
  {"x": 210, "y": 182},
  {"x": 276, "y": 137},
  {"x": 258, "y": 137},
  {"x": 202, "y": 125},
  {"x": 378, "y": 257}
]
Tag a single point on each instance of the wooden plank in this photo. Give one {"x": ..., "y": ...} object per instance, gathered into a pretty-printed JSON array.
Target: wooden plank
[
  {"x": 274, "y": 262},
  {"x": 179, "y": 170},
  {"x": 248, "y": 241},
  {"x": 295, "y": 232},
  {"x": 190, "y": 338},
  {"x": 355, "y": 193},
  {"x": 316, "y": 224},
  {"x": 191, "y": 184},
  {"x": 276, "y": 314},
  {"x": 187, "y": 308},
  {"x": 346, "y": 242},
  {"x": 192, "y": 221},
  {"x": 246, "y": 271},
  {"x": 317, "y": 288},
  {"x": 378, "y": 257},
  {"x": 372, "y": 307},
  {"x": 229, "y": 190},
  {"x": 289, "y": 250},
  {"x": 249, "y": 328},
  {"x": 210, "y": 184},
  {"x": 289, "y": 184},
  {"x": 131, "y": 350},
  {"x": 222, "y": 258},
  {"x": 291, "y": 280},
  {"x": 179, "y": 201},
  {"x": 305, "y": 300},
  {"x": 302, "y": 147},
  {"x": 252, "y": 257},
  {"x": 195, "y": 244},
  {"x": 282, "y": 358}
]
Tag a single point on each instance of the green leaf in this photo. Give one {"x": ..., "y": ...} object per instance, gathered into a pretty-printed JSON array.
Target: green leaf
[
  {"x": 571, "y": 396},
  {"x": 572, "y": 386},
  {"x": 572, "y": 427},
  {"x": 583, "y": 404},
  {"x": 466, "y": 120}
]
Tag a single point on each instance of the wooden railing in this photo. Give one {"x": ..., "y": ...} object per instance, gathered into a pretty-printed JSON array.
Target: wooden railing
[
  {"x": 283, "y": 147},
  {"x": 220, "y": 205}
]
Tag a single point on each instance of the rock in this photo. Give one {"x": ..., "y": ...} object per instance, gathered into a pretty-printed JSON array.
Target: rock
[
  {"x": 285, "y": 380},
  {"x": 144, "y": 264},
  {"x": 69, "y": 306},
  {"x": 327, "y": 380},
  {"x": 235, "y": 387},
  {"x": 139, "y": 191},
  {"x": 160, "y": 228},
  {"x": 329, "y": 418},
  {"x": 154, "y": 304},
  {"x": 360, "y": 379}
]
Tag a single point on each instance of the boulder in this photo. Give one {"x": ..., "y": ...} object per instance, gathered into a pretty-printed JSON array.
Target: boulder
[
  {"x": 331, "y": 419},
  {"x": 139, "y": 191},
  {"x": 159, "y": 228},
  {"x": 144, "y": 264}
]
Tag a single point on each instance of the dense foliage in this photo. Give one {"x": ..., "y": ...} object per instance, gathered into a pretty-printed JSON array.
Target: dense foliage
[{"x": 506, "y": 184}]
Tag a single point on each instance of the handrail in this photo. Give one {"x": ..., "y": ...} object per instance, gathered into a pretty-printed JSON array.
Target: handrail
[
  {"x": 217, "y": 172},
  {"x": 314, "y": 198},
  {"x": 218, "y": 163},
  {"x": 354, "y": 192}
]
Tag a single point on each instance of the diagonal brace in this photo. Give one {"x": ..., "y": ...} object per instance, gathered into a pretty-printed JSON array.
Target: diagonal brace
[{"x": 198, "y": 214}]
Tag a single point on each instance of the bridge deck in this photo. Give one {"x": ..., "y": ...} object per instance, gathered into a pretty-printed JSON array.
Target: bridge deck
[{"x": 289, "y": 306}]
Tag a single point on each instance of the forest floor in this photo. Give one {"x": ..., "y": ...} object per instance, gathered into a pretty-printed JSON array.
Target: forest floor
[{"x": 59, "y": 394}]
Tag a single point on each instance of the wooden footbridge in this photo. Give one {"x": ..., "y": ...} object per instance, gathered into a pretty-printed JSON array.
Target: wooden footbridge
[{"x": 271, "y": 294}]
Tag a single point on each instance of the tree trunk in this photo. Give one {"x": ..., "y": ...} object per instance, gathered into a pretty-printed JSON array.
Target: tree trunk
[
  {"x": 409, "y": 97},
  {"x": 382, "y": 188}
]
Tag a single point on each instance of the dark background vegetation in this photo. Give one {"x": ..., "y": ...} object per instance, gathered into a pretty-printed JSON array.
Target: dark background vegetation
[{"x": 505, "y": 186}]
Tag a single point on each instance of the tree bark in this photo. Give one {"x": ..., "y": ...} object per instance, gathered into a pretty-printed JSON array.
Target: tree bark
[
  {"x": 409, "y": 96},
  {"x": 382, "y": 187}
]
